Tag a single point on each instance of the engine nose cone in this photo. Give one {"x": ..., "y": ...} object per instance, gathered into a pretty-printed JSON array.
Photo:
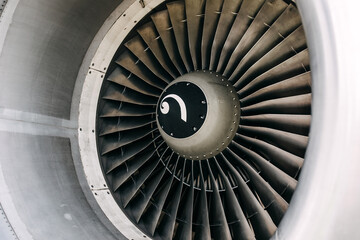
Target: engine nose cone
[
  {"x": 182, "y": 109},
  {"x": 198, "y": 114}
]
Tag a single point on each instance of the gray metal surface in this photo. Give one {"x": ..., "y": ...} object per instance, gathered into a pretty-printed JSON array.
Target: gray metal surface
[
  {"x": 326, "y": 204},
  {"x": 44, "y": 188},
  {"x": 42, "y": 46},
  {"x": 43, "y": 51}
]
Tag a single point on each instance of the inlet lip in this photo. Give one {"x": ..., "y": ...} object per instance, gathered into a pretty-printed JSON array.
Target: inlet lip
[{"x": 198, "y": 114}]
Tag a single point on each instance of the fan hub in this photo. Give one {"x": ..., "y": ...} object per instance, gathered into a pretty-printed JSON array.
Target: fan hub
[{"x": 198, "y": 114}]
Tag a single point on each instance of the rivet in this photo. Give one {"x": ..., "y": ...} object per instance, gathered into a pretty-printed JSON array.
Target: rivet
[
  {"x": 217, "y": 75},
  {"x": 187, "y": 84},
  {"x": 203, "y": 101},
  {"x": 223, "y": 143},
  {"x": 233, "y": 98},
  {"x": 171, "y": 134},
  {"x": 197, "y": 157},
  {"x": 204, "y": 155},
  {"x": 194, "y": 128},
  {"x": 190, "y": 157},
  {"x": 202, "y": 116}
]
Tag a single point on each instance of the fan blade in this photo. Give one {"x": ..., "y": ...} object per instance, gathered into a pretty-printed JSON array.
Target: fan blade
[
  {"x": 153, "y": 214},
  {"x": 300, "y": 104},
  {"x": 120, "y": 109},
  {"x": 162, "y": 23},
  {"x": 152, "y": 183},
  {"x": 287, "y": 162},
  {"x": 149, "y": 34},
  {"x": 166, "y": 227},
  {"x": 248, "y": 70},
  {"x": 259, "y": 218},
  {"x": 123, "y": 94},
  {"x": 217, "y": 217},
  {"x": 293, "y": 66},
  {"x": 272, "y": 201},
  {"x": 245, "y": 16},
  {"x": 280, "y": 181},
  {"x": 293, "y": 143},
  {"x": 202, "y": 232},
  {"x": 121, "y": 139},
  {"x": 178, "y": 20},
  {"x": 129, "y": 80},
  {"x": 113, "y": 125},
  {"x": 300, "y": 84},
  {"x": 227, "y": 17},
  {"x": 129, "y": 190},
  {"x": 212, "y": 15},
  {"x": 116, "y": 158},
  {"x": 185, "y": 213},
  {"x": 195, "y": 18},
  {"x": 266, "y": 16},
  {"x": 234, "y": 214},
  {"x": 133, "y": 65},
  {"x": 138, "y": 47},
  {"x": 286, "y": 23},
  {"x": 298, "y": 124}
]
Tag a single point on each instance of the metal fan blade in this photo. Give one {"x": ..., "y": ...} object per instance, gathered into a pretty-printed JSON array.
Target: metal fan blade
[
  {"x": 162, "y": 23},
  {"x": 217, "y": 216},
  {"x": 245, "y": 16},
  {"x": 255, "y": 213},
  {"x": 133, "y": 65},
  {"x": 178, "y": 21},
  {"x": 234, "y": 214},
  {"x": 300, "y": 104},
  {"x": 288, "y": 21},
  {"x": 298, "y": 124},
  {"x": 149, "y": 34},
  {"x": 123, "y": 94},
  {"x": 114, "y": 125},
  {"x": 153, "y": 214},
  {"x": 118, "y": 157},
  {"x": 287, "y": 162},
  {"x": 300, "y": 84},
  {"x": 195, "y": 18},
  {"x": 138, "y": 47},
  {"x": 227, "y": 17},
  {"x": 212, "y": 15},
  {"x": 119, "y": 76},
  {"x": 290, "y": 142},
  {"x": 123, "y": 138},
  {"x": 268, "y": 13},
  {"x": 116, "y": 109},
  {"x": 279, "y": 181},
  {"x": 248, "y": 70},
  {"x": 293, "y": 66},
  {"x": 271, "y": 200}
]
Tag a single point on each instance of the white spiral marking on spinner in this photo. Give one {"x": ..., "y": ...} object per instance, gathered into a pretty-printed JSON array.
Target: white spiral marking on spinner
[{"x": 165, "y": 108}]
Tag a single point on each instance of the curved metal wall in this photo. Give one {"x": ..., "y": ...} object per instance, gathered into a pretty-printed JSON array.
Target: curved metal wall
[{"x": 43, "y": 46}]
